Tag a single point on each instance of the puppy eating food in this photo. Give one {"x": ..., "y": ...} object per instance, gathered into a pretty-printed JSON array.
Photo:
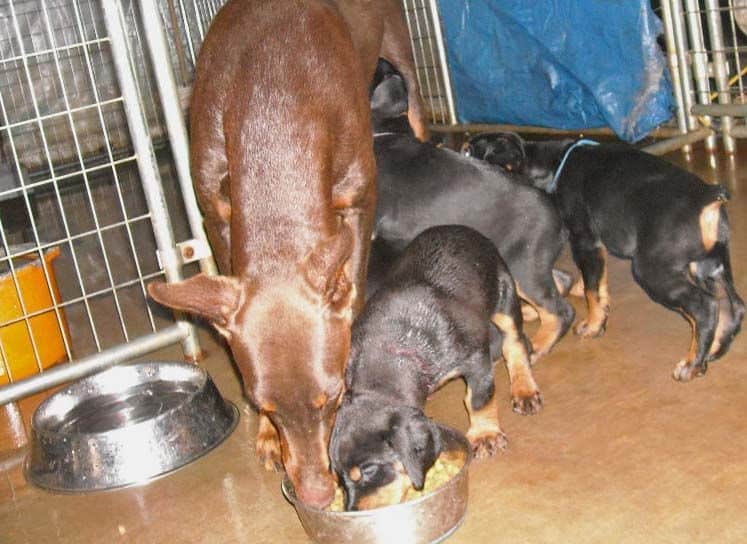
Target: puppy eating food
[
  {"x": 428, "y": 323},
  {"x": 673, "y": 227},
  {"x": 444, "y": 469}
]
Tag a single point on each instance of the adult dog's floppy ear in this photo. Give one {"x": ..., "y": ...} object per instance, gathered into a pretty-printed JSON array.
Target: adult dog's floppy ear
[
  {"x": 216, "y": 298},
  {"x": 416, "y": 441},
  {"x": 388, "y": 92}
]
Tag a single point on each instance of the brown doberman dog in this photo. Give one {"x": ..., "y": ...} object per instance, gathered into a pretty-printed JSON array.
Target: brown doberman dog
[{"x": 283, "y": 164}]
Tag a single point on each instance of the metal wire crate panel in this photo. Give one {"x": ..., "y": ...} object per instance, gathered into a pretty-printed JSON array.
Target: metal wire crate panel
[
  {"x": 35, "y": 35},
  {"x": 423, "y": 21},
  {"x": 73, "y": 214}
]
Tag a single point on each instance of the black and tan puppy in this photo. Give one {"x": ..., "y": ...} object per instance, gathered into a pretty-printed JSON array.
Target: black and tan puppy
[
  {"x": 672, "y": 225},
  {"x": 421, "y": 185},
  {"x": 428, "y": 323}
]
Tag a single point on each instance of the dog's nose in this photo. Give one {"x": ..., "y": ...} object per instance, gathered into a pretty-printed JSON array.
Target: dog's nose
[{"x": 316, "y": 494}]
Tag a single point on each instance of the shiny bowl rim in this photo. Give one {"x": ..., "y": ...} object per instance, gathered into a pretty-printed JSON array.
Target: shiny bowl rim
[
  {"x": 201, "y": 372},
  {"x": 235, "y": 417},
  {"x": 289, "y": 491}
]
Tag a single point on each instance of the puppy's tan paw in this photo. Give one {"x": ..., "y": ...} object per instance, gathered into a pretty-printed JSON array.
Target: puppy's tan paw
[
  {"x": 486, "y": 445},
  {"x": 686, "y": 371},
  {"x": 585, "y": 329},
  {"x": 527, "y": 403}
]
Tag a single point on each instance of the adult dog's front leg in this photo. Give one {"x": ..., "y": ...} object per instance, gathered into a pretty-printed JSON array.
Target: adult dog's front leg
[{"x": 268, "y": 444}]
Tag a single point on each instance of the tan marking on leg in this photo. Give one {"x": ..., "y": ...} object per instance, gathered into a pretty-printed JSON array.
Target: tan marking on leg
[
  {"x": 724, "y": 323},
  {"x": 528, "y": 313},
  {"x": 597, "y": 304},
  {"x": 525, "y": 394},
  {"x": 694, "y": 340},
  {"x": 392, "y": 493},
  {"x": 724, "y": 311},
  {"x": 549, "y": 330},
  {"x": 709, "y": 219},
  {"x": 683, "y": 371},
  {"x": 484, "y": 431},
  {"x": 268, "y": 444},
  {"x": 577, "y": 289}
]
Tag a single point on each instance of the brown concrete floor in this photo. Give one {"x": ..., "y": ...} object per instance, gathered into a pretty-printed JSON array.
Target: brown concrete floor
[{"x": 622, "y": 453}]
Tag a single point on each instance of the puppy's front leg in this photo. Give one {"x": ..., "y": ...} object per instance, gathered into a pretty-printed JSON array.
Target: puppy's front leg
[
  {"x": 484, "y": 433},
  {"x": 525, "y": 395}
]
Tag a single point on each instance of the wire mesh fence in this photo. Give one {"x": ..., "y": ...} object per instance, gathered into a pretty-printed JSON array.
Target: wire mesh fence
[
  {"x": 77, "y": 245},
  {"x": 706, "y": 42}
]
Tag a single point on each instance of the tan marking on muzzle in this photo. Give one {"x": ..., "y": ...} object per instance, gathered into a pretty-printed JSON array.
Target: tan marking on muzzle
[
  {"x": 392, "y": 493},
  {"x": 709, "y": 219}
]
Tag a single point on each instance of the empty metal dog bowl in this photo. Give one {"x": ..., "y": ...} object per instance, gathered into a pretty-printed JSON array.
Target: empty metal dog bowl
[
  {"x": 429, "y": 519},
  {"x": 125, "y": 426}
]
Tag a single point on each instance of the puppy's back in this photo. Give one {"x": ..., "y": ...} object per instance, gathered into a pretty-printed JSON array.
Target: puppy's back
[{"x": 455, "y": 260}]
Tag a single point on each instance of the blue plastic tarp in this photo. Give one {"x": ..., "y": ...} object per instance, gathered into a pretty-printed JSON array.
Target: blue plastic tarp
[{"x": 569, "y": 64}]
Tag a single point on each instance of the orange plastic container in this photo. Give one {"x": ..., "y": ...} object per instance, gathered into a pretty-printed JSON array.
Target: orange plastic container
[{"x": 17, "y": 357}]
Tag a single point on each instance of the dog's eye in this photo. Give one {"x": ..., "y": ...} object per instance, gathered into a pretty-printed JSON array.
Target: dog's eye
[{"x": 368, "y": 471}]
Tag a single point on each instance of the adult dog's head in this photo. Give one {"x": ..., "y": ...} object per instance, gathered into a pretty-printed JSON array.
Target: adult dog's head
[{"x": 290, "y": 337}]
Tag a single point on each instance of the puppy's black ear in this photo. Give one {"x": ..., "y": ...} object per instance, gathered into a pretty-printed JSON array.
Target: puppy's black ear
[
  {"x": 417, "y": 442},
  {"x": 388, "y": 92}
]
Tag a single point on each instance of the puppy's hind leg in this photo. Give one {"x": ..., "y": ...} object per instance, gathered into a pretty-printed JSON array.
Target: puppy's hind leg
[
  {"x": 555, "y": 313},
  {"x": 672, "y": 288},
  {"x": 714, "y": 275}
]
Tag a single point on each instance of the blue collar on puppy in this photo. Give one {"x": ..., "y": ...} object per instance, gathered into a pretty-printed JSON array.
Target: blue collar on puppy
[{"x": 554, "y": 183}]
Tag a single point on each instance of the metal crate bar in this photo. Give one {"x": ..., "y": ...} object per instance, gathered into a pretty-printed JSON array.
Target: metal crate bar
[{"x": 100, "y": 208}]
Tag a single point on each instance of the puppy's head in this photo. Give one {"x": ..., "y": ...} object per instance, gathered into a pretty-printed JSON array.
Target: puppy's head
[
  {"x": 379, "y": 453},
  {"x": 504, "y": 149},
  {"x": 388, "y": 93}
]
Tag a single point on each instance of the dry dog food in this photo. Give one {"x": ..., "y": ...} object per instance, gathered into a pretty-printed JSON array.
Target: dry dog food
[{"x": 444, "y": 469}]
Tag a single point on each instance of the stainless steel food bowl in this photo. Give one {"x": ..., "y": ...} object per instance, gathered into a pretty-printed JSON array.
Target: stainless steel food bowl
[
  {"x": 426, "y": 520},
  {"x": 126, "y": 426}
]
